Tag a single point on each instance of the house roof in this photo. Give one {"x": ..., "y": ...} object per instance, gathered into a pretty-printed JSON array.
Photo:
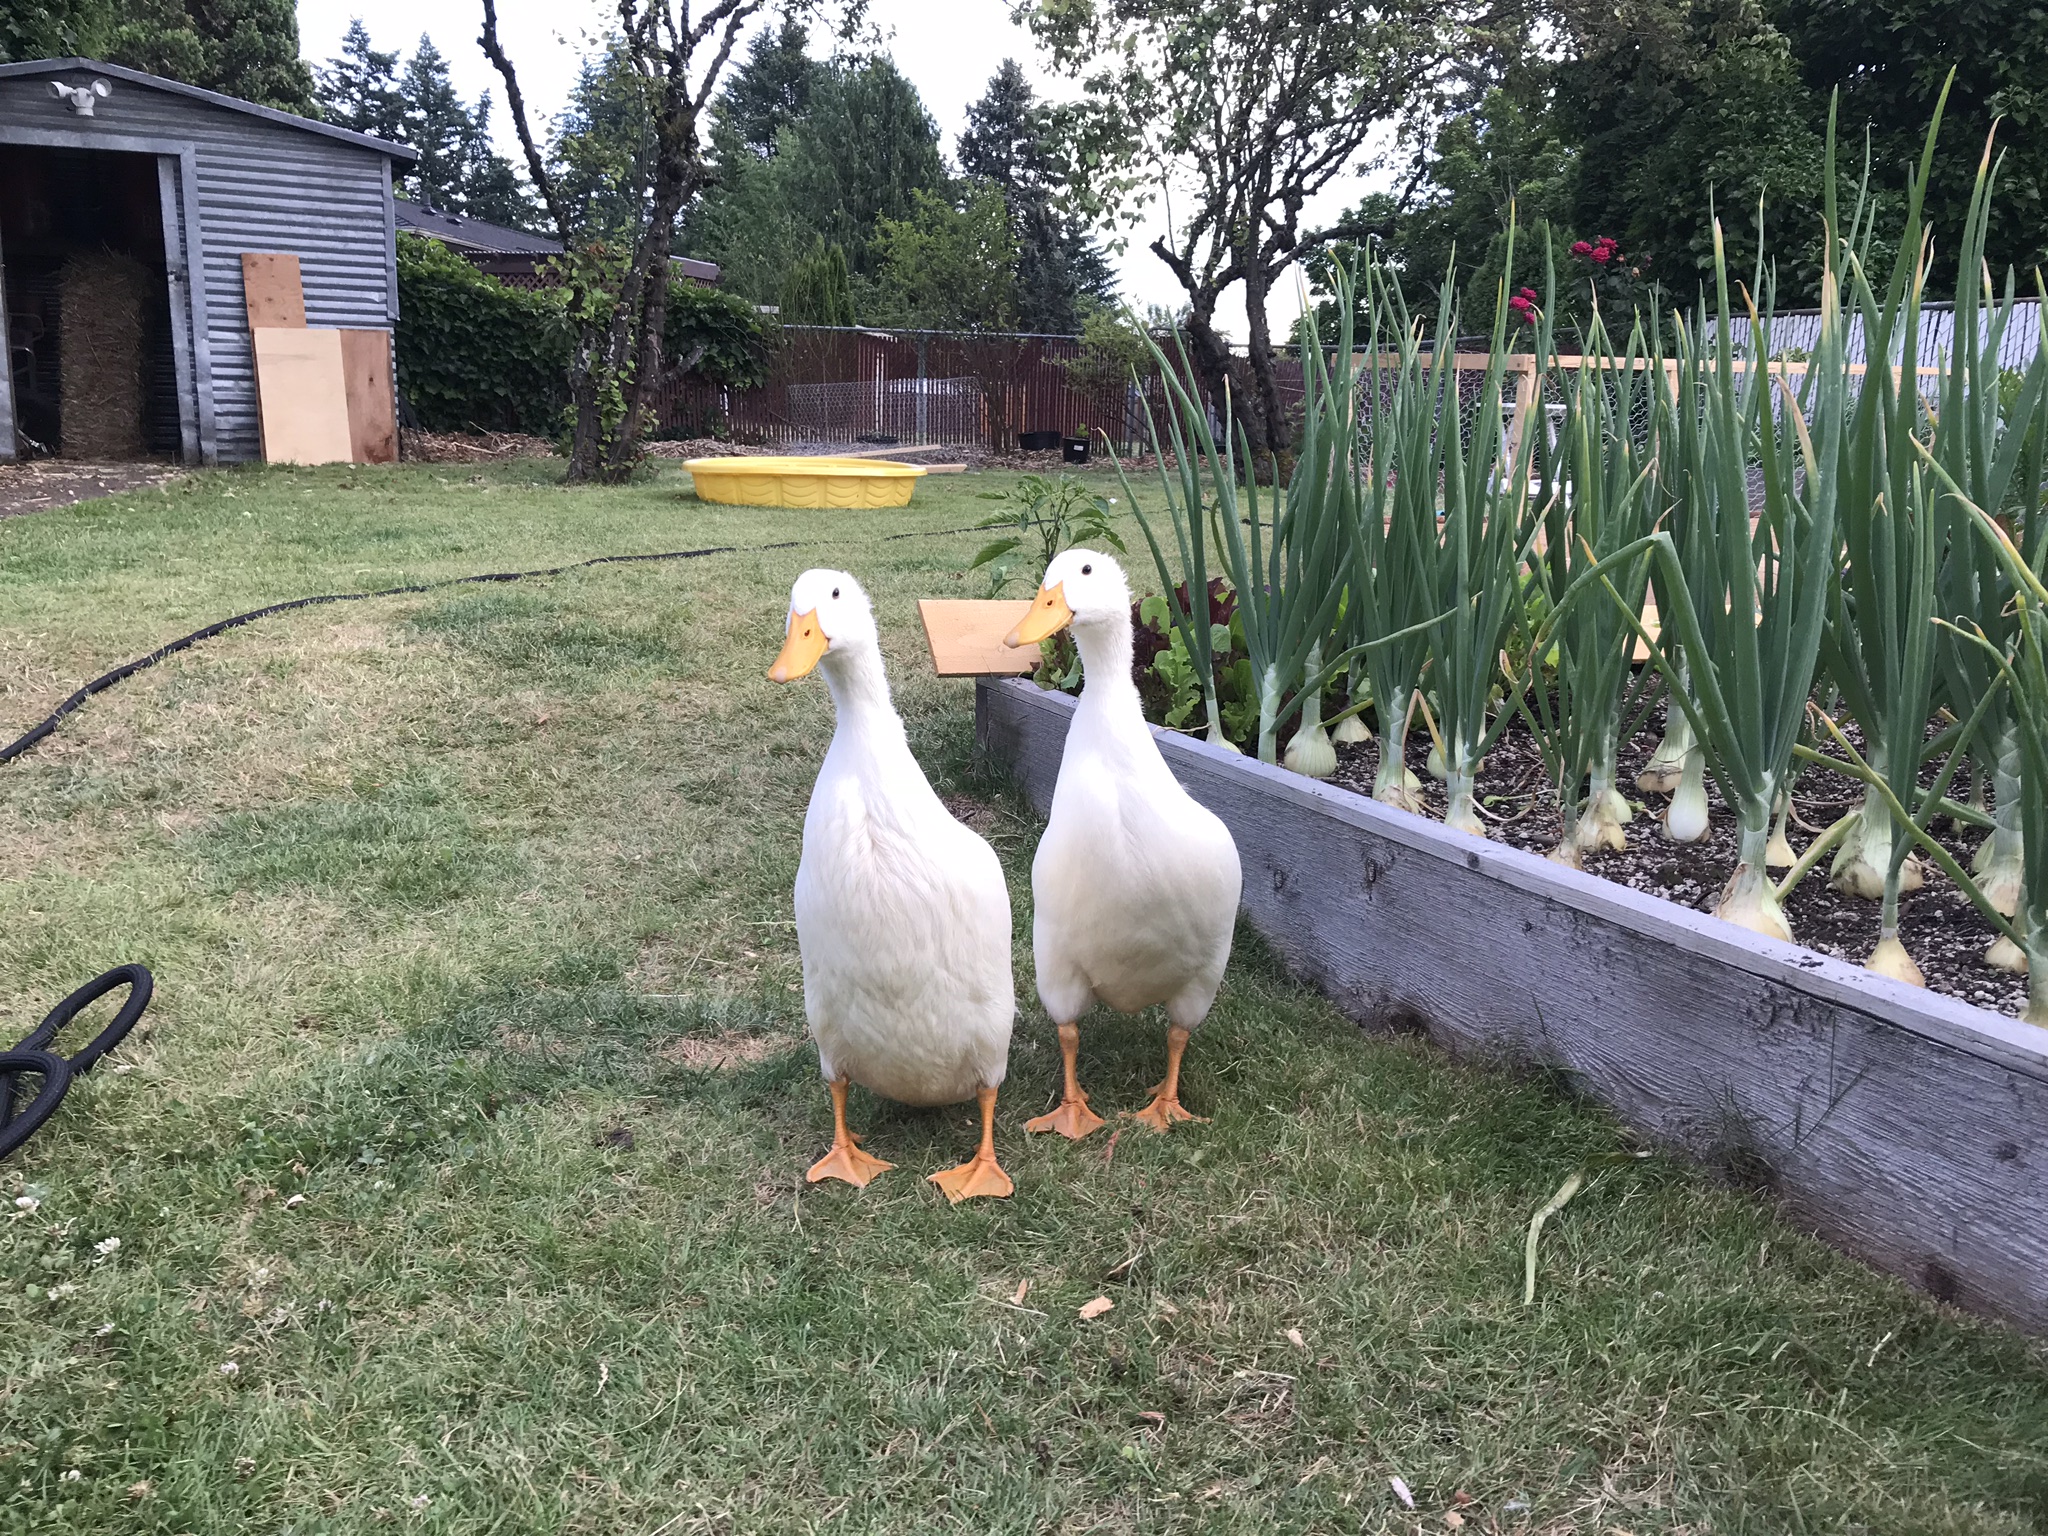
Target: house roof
[
  {"x": 474, "y": 234},
  {"x": 483, "y": 238},
  {"x": 34, "y": 67}
]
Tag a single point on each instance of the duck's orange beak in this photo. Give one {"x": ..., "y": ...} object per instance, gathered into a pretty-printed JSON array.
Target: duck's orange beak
[
  {"x": 801, "y": 648},
  {"x": 1048, "y": 616}
]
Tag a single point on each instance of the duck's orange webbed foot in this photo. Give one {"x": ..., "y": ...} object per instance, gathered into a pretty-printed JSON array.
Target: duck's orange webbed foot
[
  {"x": 1166, "y": 1111},
  {"x": 981, "y": 1176},
  {"x": 1073, "y": 1119},
  {"x": 846, "y": 1160}
]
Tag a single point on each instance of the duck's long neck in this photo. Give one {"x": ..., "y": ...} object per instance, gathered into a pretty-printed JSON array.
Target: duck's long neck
[
  {"x": 1108, "y": 691},
  {"x": 867, "y": 720}
]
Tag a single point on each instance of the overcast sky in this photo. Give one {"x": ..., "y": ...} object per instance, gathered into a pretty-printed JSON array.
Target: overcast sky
[{"x": 947, "y": 48}]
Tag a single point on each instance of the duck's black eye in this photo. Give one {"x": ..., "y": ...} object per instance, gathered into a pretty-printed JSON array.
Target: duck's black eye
[
  {"x": 835, "y": 591},
  {"x": 1087, "y": 570}
]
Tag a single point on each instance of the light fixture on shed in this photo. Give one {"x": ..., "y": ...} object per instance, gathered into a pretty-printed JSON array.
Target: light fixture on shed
[{"x": 82, "y": 98}]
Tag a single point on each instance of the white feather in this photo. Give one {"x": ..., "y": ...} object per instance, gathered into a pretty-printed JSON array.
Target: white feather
[
  {"x": 1135, "y": 885},
  {"x": 902, "y": 913}
]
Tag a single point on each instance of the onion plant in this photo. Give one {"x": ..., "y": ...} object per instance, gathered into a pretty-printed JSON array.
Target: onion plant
[
  {"x": 1880, "y": 640},
  {"x": 1990, "y": 435},
  {"x": 1595, "y": 503},
  {"x": 1181, "y": 489},
  {"x": 1393, "y": 532},
  {"x": 1489, "y": 525},
  {"x": 1284, "y": 551},
  {"x": 1745, "y": 606}
]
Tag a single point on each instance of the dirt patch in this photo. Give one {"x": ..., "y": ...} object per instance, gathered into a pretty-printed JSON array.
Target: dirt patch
[
  {"x": 971, "y": 813},
  {"x": 720, "y": 1053},
  {"x": 1941, "y": 930},
  {"x": 42, "y": 484},
  {"x": 470, "y": 447}
]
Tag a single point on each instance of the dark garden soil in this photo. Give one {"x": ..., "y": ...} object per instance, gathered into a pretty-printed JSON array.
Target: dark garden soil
[{"x": 1941, "y": 930}]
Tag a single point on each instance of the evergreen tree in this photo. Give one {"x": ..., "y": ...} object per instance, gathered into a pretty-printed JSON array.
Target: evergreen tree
[
  {"x": 243, "y": 48},
  {"x": 458, "y": 171},
  {"x": 772, "y": 89},
  {"x": 604, "y": 145},
  {"x": 359, "y": 88},
  {"x": 861, "y": 154},
  {"x": 1008, "y": 142}
]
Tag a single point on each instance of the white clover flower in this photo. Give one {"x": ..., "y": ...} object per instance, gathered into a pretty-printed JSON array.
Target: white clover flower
[
  {"x": 107, "y": 1247},
  {"x": 74, "y": 1475},
  {"x": 230, "y": 1368},
  {"x": 64, "y": 1291},
  {"x": 420, "y": 1501},
  {"x": 28, "y": 1203}
]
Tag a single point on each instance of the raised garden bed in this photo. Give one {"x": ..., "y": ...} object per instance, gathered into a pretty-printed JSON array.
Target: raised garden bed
[{"x": 1908, "y": 1128}]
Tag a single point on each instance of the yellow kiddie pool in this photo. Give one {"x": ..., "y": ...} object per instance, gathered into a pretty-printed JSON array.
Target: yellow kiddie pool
[{"x": 804, "y": 482}]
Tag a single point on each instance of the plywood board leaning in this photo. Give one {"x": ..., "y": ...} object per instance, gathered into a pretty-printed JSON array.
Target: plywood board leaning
[
  {"x": 271, "y": 290},
  {"x": 965, "y": 637},
  {"x": 372, "y": 412},
  {"x": 301, "y": 398}
]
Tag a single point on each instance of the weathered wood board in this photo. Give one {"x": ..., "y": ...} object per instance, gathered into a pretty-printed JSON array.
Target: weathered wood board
[
  {"x": 372, "y": 404},
  {"x": 965, "y": 637},
  {"x": 1907, "y": 1128},
  {"x": 271, "y": 291},
  {"x": 301, "y": 397}
]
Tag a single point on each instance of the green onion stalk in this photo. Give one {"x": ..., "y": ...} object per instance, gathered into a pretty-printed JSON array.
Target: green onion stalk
[
  {"x": 1490, "y": 524},
  {"x": 1285, "y": 561},
  {"x": 1746, "y": 606},
  {"x": 1879, "y": 643},
  {"x": 1393, "y": 532},
  {"x": 1181, "y": 489},
  {"x": 1595, "y": 502},
  {"x": 2025, "y": 671},
  {"x": 1990, "y": 433}
]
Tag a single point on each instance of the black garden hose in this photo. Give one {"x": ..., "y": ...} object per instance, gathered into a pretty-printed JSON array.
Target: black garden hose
[
  {"x": 43, "y": 728},
  {"x": 34, "y": 1058}
]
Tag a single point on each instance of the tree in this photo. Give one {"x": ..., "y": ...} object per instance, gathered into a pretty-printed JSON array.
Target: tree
[
  {"x": 1009, "y": 142},
  {"x": 617, "y": 284},
  {"x": 359, "y": 87},
  {"x": 1890, "y": 58},
  {"x": 818, "y": 290},
  {"x": 243, "y": 48},
  {"x": 1683, "y": 110},
  {"x": 458, "y": 171},
  {"x": 1246, "y": 111},
  {"x": 951, "y": 265},
  {"x": 604, "y": 146},
  {"x": 861, "y": 154},
  {"x": 772, "y": 89}
]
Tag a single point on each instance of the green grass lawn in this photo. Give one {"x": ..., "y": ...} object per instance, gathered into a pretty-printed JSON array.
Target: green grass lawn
[{"x": 458, "y": 1179}]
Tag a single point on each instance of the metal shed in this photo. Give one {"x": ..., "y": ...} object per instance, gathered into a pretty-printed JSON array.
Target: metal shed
[{"x": 123, "y": 193}]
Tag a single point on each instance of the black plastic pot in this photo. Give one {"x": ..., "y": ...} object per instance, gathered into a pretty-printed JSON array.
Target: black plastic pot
[
  {"x": 1075, "y": 450},
  {"x": 1038, "y": 442}
]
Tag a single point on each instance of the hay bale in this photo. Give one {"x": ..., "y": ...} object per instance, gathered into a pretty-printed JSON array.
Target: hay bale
[{"x": 101, "y": 378}]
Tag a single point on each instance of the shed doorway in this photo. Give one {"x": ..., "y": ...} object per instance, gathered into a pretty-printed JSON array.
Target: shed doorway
[{"x": 90, "y": 341}]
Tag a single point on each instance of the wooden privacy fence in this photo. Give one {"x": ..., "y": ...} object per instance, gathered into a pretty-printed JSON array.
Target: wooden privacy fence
[{"x": 833, "y": 384}]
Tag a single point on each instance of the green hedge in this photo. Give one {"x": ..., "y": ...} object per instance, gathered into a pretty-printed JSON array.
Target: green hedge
[{"x": 474, "y": 353}]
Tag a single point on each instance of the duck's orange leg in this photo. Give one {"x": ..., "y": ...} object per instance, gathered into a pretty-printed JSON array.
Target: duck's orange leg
[
  {"x": 845, "y": 1160},
  {"x": 1165, "y": 1109},
  {"x": 981, "y": 1174},
  {"x": 1073, "y": 1119}
]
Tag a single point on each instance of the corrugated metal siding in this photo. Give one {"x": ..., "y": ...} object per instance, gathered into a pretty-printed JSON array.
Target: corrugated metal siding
[{"x": 261, "y": 187}]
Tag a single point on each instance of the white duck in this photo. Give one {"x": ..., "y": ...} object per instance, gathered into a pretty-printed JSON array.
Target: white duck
[
  {"x": 1135, "y": 885},
  {"x": 902, "y": 913}
]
